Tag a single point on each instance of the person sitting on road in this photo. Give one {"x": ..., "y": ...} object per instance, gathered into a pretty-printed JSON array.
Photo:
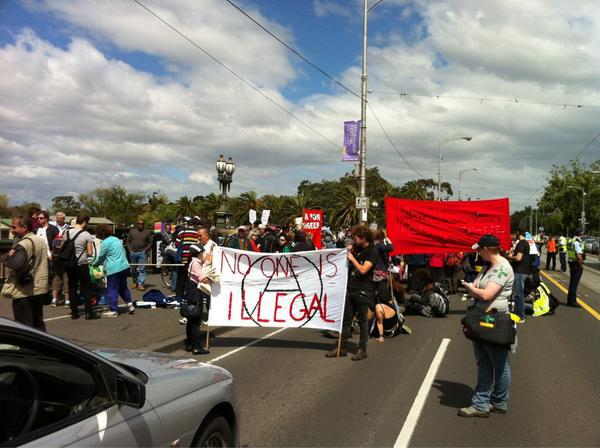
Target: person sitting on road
[{"x": 386, "y": 319}]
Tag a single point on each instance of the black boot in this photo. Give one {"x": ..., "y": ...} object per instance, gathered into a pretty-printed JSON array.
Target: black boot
[{"x": 359, "y": 355}]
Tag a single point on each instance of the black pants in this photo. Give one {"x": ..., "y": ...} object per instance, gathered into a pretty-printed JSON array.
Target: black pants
[
  {"x": 357, "y": 303},
  {"x": 562, "y": 256},
  {"x": 576, "y": 272},
  {"x": 451, "y": 274},
  {"x": 30, "y": 311},
  {"x": 182, "y": 276},
  {"x": 551, "y": 259},
  {"x": 80, "y": 279}
]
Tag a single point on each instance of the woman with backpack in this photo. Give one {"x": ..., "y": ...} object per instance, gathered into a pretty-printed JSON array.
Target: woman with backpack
[{"x": 116, "y": 267}]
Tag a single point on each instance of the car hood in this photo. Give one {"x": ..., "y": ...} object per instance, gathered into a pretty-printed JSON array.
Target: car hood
[{"x": 166, "y": 373}]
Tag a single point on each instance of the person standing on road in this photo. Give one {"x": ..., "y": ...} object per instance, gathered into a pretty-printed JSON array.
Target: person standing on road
[
  {"x": 27, "y": 282},
  {"x": 551, "y": 253},
  {"x": 363, "y": 258},
  {"x": 491, "y": 289},
  {"x": 521, "y": 265},
  {"x": 576, "y": 257},
  {"x": 116, "y": 268},
  {"x": 185, "y": 238},
  {"x": 239, "y": 241},
  {"x": 562, "y": 252},
  {"x": 139, "y": 242},
  {"x": 79, "y": 277},
  {"x": 196, "y": 297}
]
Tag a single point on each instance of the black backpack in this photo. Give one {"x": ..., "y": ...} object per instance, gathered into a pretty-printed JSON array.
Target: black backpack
[{"x": 65, "y": 258}]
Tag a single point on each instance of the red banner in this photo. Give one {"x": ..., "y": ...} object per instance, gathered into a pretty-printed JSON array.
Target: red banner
[
  {"x": 312, "y": 222},
  {"x": 423, "y": 227}
]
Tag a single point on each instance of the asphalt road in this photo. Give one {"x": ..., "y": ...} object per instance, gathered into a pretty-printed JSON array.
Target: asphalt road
[{"x": 291, "y": 395}]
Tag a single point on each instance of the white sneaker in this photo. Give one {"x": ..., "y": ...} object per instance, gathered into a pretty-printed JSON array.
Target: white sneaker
[
  {"x": 67, "y": 304},
  {"x": 183, "y": 321},
  {"x": 53, "y": 304},
  {"x": 130, "y": 308},
  {"x": 110, "y": 314}
]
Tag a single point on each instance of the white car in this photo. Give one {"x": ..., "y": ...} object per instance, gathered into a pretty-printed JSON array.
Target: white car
[{"x": 55, "y": 393}]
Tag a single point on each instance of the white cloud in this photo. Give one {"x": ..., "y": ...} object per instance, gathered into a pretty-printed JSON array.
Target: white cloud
[{"x": 77, "y": 118}]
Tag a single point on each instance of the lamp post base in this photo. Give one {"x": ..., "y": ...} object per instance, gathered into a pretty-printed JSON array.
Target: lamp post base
[{"x": 223, "y": 219}]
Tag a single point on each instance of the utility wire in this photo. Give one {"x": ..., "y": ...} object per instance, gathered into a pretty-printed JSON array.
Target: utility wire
[
  {"x": 392, "y": 143},
  {"x": 241, "y": 78},
  {"x": 489, "y": 100},
  {"x": 588, "y": 145},
  {"x": 293, "y": 50},
  {"x": 328, "y": 76}
]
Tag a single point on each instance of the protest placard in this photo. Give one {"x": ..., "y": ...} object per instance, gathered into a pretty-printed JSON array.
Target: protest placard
[
  {"x": 312, "y": 222},
  {"x": 302, "y": 289}
]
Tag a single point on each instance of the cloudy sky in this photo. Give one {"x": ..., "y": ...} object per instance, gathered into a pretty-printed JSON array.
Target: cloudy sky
[{"x": 95, "y": 93}]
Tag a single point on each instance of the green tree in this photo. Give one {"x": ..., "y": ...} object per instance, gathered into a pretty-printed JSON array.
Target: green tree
[
  {"x": 114, "y": 203},
  {"x": 243, "y": 204},
  {"x": 66, "y": 204},
  {"x": 186, "y": 207}
]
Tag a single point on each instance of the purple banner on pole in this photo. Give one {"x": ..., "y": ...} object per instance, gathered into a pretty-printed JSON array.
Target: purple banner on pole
[{"x": 351, "y": 149}]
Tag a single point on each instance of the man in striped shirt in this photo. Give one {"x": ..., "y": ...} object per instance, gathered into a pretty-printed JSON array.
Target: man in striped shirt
[{"x": 186, "y": 237}]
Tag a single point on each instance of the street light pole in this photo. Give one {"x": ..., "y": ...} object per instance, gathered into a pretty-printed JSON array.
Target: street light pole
[
  {"x": 460, "y": 173},
  {"x": 363, "y": 119},
  {"x": 439, "y": 173},
  {"x": 582, "y": 206}
]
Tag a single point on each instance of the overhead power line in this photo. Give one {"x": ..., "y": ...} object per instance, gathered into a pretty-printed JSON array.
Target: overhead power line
[
  {"x": 588, "y": 145},
  {"x": 293, "y": 50},
  {"x": 515, "y": 100},
  {"x": 240, "y": 77},
  {"x": 320, "y": 70},
  {"x": 392, "y": 143}
]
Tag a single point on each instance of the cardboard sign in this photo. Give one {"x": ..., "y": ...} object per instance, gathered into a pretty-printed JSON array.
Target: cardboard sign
[
  {"x": 252, "y": 216},
  {"x": 264, "y": 219},
  {"x": 302, "y": 289}
]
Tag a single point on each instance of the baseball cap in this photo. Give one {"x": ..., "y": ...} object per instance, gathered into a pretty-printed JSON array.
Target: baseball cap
[
  {"x": 241, "y": 228},
  {"x": 487, "y": 240}
]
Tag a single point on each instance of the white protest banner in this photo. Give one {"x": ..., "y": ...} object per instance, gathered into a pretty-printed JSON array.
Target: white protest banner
[
  {"x": 302, "y": 289},
  {"x": 252, "y": 216},
  {"x": 264, "y": 219}
]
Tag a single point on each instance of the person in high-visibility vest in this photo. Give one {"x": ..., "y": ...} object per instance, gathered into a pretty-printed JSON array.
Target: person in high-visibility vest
[
  {"x": 551, "y": 253},
  {"x": 562, "y": 252},
  {"x": 575, "y": 254}
]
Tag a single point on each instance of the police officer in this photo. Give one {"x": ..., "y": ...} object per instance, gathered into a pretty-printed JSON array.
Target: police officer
[
  {"x": 575, "y": 254},
  {"x": 562, "y": 252}
]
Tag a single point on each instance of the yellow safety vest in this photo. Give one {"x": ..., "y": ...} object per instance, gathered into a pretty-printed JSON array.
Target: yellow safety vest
[
  {"x": 562, "y": 244},
  {"x": 571, "y": 248}
]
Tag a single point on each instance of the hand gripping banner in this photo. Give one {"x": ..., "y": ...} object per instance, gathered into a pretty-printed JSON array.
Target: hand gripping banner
[
  {"x": 301, "y": 289},
  {"x": 424, "y": 227}
]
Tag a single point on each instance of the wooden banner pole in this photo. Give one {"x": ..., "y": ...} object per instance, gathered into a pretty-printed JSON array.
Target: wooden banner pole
[
  {"x": 339, "y": 347},
  {"x": 207, "y": 338}
]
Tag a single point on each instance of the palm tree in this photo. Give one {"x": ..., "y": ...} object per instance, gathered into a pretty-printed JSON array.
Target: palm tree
[
  {"x": 344, "y": 212},
  {"x": 185, "y": 207},
  {"x": 243, "y": 204},
  {"x": 294, "y": 205},
  {"x": 210, "y": 204}
]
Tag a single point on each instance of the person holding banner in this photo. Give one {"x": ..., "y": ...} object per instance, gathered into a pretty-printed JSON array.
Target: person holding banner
[
  {"x": 197, "y": 301},
  {"x": 363, "y": 258}
]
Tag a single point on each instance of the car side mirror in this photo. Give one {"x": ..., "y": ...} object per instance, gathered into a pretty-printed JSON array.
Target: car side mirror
[{"x": 130, "y": 392}]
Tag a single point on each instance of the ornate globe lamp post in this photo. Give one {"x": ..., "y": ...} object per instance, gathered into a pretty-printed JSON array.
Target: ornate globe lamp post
[{"x": 225, "y": 170}]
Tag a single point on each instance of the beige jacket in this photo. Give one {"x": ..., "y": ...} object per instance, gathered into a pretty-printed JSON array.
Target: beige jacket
[{"x": 38, "y": 250}]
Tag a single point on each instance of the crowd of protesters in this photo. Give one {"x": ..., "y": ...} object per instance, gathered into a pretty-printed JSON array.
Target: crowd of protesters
[{"x": 380, "y": 287}]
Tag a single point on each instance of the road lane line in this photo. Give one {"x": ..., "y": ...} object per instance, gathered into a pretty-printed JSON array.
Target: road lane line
[
  {"x": 584, "y": 305},
  {"x": 225, "y": 355},
  {"x": 56, "y": 318},
  {"x": 415, "y": 411}
]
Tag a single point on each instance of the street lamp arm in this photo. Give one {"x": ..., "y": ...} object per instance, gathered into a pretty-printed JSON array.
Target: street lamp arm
[{"x": 374, "y": 5}]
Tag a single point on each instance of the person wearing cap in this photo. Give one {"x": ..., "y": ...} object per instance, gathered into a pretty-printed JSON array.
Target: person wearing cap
[
  {"x": 240, "y": 241},
  {"x": 491, "y": 289},
  {"x": 521, "y": 264},
  {"x": 575, "y": 255},
  {"x": 195, "y": 297}
]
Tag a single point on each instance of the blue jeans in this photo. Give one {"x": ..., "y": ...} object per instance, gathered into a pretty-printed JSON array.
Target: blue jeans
[
  {"x": 519, "y": 294},
  {"x": 117, "y": 286},
  {"x": 493, "y": 376},
  {"x": 138, "y": 272}
]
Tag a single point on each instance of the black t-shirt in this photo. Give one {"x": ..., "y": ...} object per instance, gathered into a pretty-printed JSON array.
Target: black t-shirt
[
  {"x": 358, "y": 281},
  {"x": 523, "y": 266}
]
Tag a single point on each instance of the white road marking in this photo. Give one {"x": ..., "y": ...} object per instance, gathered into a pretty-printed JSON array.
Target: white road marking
[
  {"x": 56, "y": 318},
  {"x": 415, "y": 411},
  {"x": 225, "y": 355}
]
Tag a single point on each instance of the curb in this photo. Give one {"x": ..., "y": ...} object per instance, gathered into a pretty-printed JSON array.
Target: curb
[{"x": 176, "y": 343}]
